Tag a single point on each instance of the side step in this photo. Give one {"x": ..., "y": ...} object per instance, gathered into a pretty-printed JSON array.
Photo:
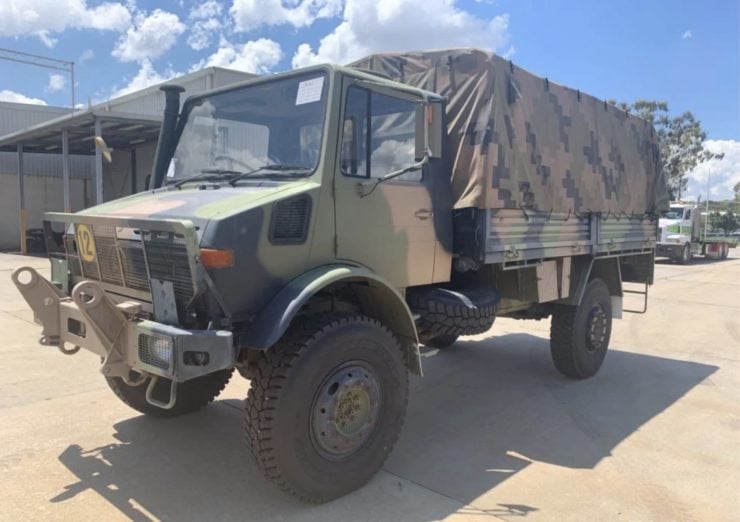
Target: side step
[{"x": 643, "y": 293}]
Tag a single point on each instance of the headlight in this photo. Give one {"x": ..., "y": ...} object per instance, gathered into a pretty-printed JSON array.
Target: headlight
[{"x": 157, "y": 351}]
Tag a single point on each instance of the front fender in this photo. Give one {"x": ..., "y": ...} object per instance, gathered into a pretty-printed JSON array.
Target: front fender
[{"x": 379, "y": 299}]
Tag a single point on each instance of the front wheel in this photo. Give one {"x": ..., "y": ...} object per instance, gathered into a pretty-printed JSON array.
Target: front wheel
[
  {"x": 190, "y": 396},
  {"x": 326, "y": 405},
  {"x": 685, "y": 254},
  {"x": 579, "y": 335}
]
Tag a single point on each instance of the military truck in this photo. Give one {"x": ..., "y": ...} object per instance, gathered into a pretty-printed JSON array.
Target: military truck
[
  {"x": 311, "y": 229},
  {"x": 682, "y": 235}
]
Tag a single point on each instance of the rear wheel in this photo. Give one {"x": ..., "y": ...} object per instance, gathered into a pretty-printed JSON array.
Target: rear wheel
[
  {"x": 579, "y": 335},
  {"x": 326, "y": 405},
  {"x": 191, "y": 395}
]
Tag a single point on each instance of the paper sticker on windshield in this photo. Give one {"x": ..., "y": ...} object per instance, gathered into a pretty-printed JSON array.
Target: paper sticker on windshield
[{"x": 309, "y": 91}]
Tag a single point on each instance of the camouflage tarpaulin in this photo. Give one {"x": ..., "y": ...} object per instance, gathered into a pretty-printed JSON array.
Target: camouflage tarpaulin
[{"x": 522, "y": 141}]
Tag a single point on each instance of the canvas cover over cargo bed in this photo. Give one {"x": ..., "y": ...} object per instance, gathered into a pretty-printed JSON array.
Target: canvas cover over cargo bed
[{"x": 521, "y": 141}]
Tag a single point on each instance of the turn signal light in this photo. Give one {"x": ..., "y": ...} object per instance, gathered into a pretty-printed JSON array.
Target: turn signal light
[{"x": 211, "y": 258}]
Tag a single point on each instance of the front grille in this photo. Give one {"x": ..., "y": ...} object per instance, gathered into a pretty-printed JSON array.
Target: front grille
[
  {"x": 134, "y": 265},
  {"x": 168, "y": 261},
  {"x": 129, "y": 258}
]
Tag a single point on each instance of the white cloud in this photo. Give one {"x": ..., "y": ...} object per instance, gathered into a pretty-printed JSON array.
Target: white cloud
[
  {"x": 722, "y": 174},
  {"x": 149, "y": 37},
  {"x": 41, "y": 18},
  {"x": 201, "y": 33},
  {"x": 146, "y": 77},
  {"x": 56, "y": 82},
  {"x": 687, "y": 34},
  {"x": 251, "y": 14},
  {"x": 208, "y": 9},
  {"x": 204, "y": 23},
  {"x": 255, "y": 56},
  {"x": 16, "y": 97},
  {"x": 87, "y": 55},
  {"x": 369, "y": 26},
  {"x": 46, "y": 38}
]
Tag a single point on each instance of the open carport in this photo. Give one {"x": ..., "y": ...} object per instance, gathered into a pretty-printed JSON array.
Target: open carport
[{"x": 130, "y": 127}]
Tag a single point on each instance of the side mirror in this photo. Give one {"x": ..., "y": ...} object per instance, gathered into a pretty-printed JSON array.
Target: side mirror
[{"x": 429, "y": 129}]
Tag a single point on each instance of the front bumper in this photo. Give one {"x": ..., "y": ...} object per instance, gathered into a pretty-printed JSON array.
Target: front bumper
[
  {"x": 90, "y": 319},
  {"x": 669, "y": 249}
]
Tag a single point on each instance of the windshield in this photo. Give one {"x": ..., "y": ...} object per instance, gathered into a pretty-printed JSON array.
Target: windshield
[
  {"x": 674, "y": 213},
  {"x": 277, "y": 123}
]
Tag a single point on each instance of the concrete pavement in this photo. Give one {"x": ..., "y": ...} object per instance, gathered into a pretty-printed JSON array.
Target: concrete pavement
[{"x": 492, "y": 431}]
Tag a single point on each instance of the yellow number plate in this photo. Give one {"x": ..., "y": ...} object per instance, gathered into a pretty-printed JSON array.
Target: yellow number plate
[{"x": 85, "y": 243}]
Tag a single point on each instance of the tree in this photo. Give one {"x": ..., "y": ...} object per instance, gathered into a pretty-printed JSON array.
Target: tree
[
  {"x": 681, "y": 141},
  {"x": 726, "y": 221},
  {"x": 736, "y": 189}
]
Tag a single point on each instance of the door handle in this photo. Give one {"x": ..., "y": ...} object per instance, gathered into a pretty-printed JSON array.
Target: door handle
[{"x": 423, "y": 213}]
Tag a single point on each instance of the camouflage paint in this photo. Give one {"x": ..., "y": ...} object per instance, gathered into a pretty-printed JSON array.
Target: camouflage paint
[{"x": 520, "y": 141}]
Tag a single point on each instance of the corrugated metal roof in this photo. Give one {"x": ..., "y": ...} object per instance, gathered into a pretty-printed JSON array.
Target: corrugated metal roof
[
  {"x": 14, "y": 116},
  {"x": 151, "y": 99},
  {"x": 127, "y": 121}
]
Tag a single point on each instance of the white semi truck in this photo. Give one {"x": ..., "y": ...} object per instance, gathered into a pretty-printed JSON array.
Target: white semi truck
[{"x": 681, "y": 235}]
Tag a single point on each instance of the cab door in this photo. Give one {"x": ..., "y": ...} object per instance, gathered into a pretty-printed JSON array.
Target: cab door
[{"x": 388, "y": 227}]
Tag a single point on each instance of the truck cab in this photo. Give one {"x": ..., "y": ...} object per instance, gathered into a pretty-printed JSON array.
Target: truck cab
[
  {"x": 681, "y": 235},
  {"x": 678, "y": 232}
]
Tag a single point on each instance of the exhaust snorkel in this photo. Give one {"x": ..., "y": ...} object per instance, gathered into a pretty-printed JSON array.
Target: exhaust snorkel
[{"x": 166, "y": 142}]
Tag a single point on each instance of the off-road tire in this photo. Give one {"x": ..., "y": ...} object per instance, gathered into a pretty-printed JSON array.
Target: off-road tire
[
  {"x": 192, "y": 395},
  {"x": 448, "y": 313},
  {"x": 441, "y": 341},
  {"x": 285, "y": 389},
  {"x": 571, "y": 352}
]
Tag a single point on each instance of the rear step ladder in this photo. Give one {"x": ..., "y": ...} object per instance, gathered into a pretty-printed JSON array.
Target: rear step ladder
[{"x": 641, "y": 292}]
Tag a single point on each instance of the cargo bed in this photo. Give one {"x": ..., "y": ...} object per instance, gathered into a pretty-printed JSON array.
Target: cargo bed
[{"x": 518, "y": 236}]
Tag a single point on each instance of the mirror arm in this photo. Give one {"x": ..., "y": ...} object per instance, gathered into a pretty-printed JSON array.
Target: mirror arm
[{"x": 368, "y": 187}]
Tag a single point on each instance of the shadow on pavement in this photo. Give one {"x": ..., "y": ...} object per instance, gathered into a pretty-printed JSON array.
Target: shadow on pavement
[
  {"x": 484, "y": 411},
  {"x": 695, "y": 261}
]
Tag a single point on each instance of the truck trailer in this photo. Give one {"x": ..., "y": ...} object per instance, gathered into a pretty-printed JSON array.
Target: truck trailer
[{"x": 311, "y": 229}]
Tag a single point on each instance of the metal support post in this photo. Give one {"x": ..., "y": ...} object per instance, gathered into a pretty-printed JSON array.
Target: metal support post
[
  {"x": 98, "y": 166},
  {"x": 21, "y": 201},
  {"x": 65, "y": 170}
]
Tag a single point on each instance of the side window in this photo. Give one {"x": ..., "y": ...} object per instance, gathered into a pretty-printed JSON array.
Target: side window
[
  {"x": 687, "y": 214},
  {"x": 379, "y": 135}
]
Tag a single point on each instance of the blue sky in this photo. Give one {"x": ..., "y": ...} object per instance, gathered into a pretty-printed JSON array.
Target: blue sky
[{"x": 683, "y": 52}]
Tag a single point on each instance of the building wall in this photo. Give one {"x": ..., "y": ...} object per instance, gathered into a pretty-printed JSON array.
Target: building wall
[
  {"x": 43, "y": 194},
  {"x": 44, "y": 191},
  {"x": 117, "y": 174}
]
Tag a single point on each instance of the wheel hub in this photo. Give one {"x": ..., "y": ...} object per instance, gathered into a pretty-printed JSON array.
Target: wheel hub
[
  {"x": 597, "y": 326},
  {"x": 345, "y": 410}
]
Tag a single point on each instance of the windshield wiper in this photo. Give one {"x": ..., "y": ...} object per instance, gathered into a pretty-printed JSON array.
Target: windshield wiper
[
  {"x": 208, "y": 174},
  {"x": 275, "y": 168}
]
